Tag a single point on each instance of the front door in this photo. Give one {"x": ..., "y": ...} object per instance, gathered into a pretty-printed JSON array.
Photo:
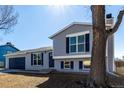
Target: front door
[{"x": 51, "y": 60}]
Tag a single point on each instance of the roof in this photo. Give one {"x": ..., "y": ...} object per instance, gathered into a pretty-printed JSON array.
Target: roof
[
  {"x": 66, "y": 27},
  {"x": 30, "y": 50},
  {"x": 10, "y": 46}
]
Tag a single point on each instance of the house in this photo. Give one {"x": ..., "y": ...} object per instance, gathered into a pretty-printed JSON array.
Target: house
[
  {"x": 33, "y": 59},
  {"x": 71, "y": 51},
  {"x": 4, "y": 49},
  {"x": 72, "y": 48}
]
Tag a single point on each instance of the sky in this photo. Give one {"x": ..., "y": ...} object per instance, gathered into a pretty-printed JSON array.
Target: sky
[{"x": 37, "y": 23}]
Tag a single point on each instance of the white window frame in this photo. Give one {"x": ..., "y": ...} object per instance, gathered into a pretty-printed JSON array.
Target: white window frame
[
  {"x": 84, "y": 67},
  {"x": 76, "y": 35},
  {"x": 37, "y": 53},
  {"x": 72, "y": 45},
  {"x": 81, "y": 43},
  {"x": 69, "y": 65}
]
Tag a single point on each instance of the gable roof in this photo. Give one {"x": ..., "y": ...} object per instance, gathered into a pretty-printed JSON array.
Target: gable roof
[
  {"x": 10, "y": 46},
  {"x": 66, "y": 27},
  {"x": 30, "y": 50}
]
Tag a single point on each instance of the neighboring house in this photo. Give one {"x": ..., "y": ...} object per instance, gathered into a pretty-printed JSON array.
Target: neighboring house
[
  {"x": 71, "y": 51},
  {"x": 5, "y": 49},
  {"x": 33, "y": 59}
]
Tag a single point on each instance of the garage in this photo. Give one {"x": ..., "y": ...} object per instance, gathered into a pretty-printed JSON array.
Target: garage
[{"x": 17, "y": 63}]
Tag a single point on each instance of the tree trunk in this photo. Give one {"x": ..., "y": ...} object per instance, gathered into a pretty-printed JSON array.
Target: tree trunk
[{"x": 98, "y": 59}]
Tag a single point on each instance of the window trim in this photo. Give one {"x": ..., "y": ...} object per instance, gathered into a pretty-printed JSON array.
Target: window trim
[
  {"x": 69, "y": 64},
  {"x": 76, "y": 35},
  {"x": 84, "y": 67},
  {"x": 37, "y": 59},
  {"x": 81, "y": 43},
  {"x": 72, "y": 45}
]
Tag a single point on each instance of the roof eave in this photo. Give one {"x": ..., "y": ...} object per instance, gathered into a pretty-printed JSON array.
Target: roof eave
[
  {"x": 73, "y": 23},
  {"x": 29, "y": 51}
]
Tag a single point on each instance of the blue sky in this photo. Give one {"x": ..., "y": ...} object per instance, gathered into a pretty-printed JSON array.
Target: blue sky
[{"x": 37, "y": 23}]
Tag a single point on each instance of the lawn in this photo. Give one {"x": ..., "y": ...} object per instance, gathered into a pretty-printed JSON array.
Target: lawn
[
  {"x": 53, "y": 80},
  {"x": 20, "y": 80},
  {"x": 28, "y": 80}
]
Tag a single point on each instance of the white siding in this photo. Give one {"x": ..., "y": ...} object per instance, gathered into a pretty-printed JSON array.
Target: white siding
[
  {"x": 15, "y": 56},
  {"x": 37, "y": 67},
  {"x": 28, "y": 65},
  {"x": 75, "y": 69}
]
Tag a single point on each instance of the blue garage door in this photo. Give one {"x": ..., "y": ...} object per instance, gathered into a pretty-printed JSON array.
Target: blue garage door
[{"x": 17, "y": 63}]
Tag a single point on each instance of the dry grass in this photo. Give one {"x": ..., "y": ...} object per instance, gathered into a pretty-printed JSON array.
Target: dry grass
[
  {"x": 20, "y": 81},
  {"x": 26, "y": 80},
  {"x": 116, "y": 81},
  {"x": 53, "y": 80}
]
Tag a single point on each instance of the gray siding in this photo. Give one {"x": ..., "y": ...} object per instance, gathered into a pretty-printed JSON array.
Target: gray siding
[
  {"x": 59, "y": 41},
  {"x": 59, "y": 45}
]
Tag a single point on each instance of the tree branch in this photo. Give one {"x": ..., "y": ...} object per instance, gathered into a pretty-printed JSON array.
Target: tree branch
[
  {"x": 3, "y": 28},
  {"x": 117, "y": 24},
  {"x": 8, "y": 18}
]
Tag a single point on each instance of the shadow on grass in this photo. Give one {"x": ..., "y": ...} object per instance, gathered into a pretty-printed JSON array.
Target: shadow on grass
[
  {"x": 77, "y": 81},
  {"x": 70, "y": 80},
  {"x": 58, "y": 80},
  {"x": 63, "y": 80}
]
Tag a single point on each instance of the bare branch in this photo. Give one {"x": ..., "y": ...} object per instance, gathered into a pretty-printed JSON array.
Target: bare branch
[
  {"x": 117, "y": 24},
  {"x": 8, "y": 18}
]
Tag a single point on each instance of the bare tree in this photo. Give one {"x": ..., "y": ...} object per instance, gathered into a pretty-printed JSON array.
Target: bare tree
[
  {"x": 8, "y": 18},
  {"x": 100, "y": 36}
]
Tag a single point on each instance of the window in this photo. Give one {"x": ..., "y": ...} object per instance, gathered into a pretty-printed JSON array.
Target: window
[
  {"x": 79, "y": 43},
  {"x": 67, "y": 65},
  {"x": 72, "y": 40},
  {"x": 37, "y": 59},
  {"x": 81, "y": 39},
  {"x": 80, "y": 65},
  {"x": 72, "y": 44},
  {"x": 86, "y": 64}
]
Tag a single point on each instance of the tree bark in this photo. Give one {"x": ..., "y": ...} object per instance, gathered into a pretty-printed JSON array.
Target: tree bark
[
  {"x": 100, "y": 35},
  {"x": 117, "y": 24},
  {"x": 98, "y": 59}
]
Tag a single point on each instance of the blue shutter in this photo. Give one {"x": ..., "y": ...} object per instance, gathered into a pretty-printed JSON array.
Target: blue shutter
[
  {"x": 62, "y": 64},
  {"x": 42, "y": 59},
  {"x": 67, "y": 44},
  {"x": 80, "y": 64},
  {"x": 87, "y": 42},
  {"x": 31, "y": 59},
  {"x": 72, "y": 64}
]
